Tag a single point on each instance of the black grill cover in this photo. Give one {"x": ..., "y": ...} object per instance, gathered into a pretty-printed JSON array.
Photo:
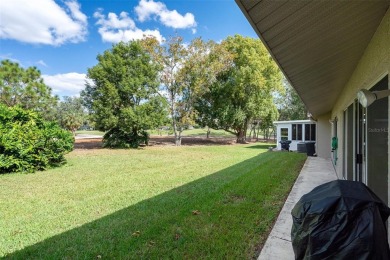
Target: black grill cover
[{"x": 340, "y": 220}]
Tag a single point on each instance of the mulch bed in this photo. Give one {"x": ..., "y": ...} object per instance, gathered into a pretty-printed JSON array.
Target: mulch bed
[{"x": 96, "y": 143}]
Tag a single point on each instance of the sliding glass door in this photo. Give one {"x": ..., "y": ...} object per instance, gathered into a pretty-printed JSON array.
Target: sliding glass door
[{"x": 377, "y": 143}]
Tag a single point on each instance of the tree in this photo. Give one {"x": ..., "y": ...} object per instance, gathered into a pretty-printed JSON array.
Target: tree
[
  {"x": 267, "y": 122},
  {"x": 242, "y": 92},
  {"x": 71, "y": 113},
  {"x": 204, "y": 61},
  {"x": 171, "y": 58},
  {"x": 186, "y": 73},
  {"x": 26, "y": 88},
  {"x": 29, "y": 143},
  {"x": 123, "y": 99},
  {"x": 289, "y": 104}
]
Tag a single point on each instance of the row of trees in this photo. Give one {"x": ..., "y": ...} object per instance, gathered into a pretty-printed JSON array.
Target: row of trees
[
  {"x": 226, "y": 85},
  {"x": 25, "y": 88},
  {"x": 233, "y": 85}
]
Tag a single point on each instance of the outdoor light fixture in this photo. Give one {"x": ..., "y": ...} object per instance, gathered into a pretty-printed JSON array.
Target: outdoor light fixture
[{"x": 367, "y": 97}]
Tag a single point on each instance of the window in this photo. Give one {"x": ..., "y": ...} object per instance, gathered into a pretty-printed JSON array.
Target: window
[
  {"x": 283, "y": 134},
  {"x": 297, "y": 132},
  {"x": 310, "y": 132},
  {"x": 377, "y": 143}
]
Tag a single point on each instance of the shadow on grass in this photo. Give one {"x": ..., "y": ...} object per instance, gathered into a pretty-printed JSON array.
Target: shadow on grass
[{"x": 225, "y": 215}]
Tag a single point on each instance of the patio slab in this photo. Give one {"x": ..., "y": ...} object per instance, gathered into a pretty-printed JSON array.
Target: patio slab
[{"x": 316, "y": 171}]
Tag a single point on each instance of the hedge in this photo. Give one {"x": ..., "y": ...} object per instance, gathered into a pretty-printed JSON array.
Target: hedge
[{"x": 28, "y": 143}]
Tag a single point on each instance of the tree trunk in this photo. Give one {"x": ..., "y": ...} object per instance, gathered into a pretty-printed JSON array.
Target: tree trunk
[
  {"x": 241, "y": 136},
  {"x": 178, "y": 139},
  {"x": 208, "y": 133},
  {"x": 176, "y": 132}
]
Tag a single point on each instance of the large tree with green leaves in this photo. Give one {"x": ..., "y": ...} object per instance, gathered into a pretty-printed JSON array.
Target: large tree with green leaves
[
  {"x": 242, "y": 92},
  {"x": 171, "y": 56},
  {"x": 26, "y": 88},
  {"x": 123, "y": 98},
  {"x": 187, "y": 71}
]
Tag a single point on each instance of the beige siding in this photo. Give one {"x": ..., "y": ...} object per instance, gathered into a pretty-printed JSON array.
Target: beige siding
[
  {"x": 339, "y": 153},
  {"x": 373, "y": 66},
  {"x": 323, "y": 146}
]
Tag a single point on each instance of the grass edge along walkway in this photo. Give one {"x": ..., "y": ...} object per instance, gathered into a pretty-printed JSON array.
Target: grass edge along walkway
[{"x": 226, "y": 215}]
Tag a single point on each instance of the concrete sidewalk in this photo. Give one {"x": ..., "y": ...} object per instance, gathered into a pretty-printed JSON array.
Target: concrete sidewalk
[{"x": 316, "y": 171}]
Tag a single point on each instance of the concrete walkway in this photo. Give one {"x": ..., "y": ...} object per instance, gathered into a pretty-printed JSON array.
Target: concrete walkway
[{"x": 316, "y": 171}]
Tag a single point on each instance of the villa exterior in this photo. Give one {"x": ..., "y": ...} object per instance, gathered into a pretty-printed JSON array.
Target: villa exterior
[
  {"x": 328, "y": 51},
  {"x": 296, "y": 131}
]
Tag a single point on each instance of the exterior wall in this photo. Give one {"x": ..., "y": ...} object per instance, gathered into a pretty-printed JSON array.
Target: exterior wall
[
  {"x": 372, "y": 67},
  {"x": 288, "y": 125},
  {"x": 337, "y": 155},
  {"x": 323, "y": 145}
]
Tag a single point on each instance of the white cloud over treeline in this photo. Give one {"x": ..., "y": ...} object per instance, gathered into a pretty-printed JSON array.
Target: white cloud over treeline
[
  {"x": 121, "y": 27},
  {"x": 115, "y": 28},
  {"x": 157, "y": 10},
  {"x": 42, "y": 22},
  {"x": 56, "y": 23},
  {"x": 67, "y": 84}
]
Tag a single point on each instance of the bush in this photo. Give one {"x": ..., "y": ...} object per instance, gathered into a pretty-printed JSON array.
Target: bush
[
  {"x": 118, "y": 138},
  {"x": 29, "y": 143}
]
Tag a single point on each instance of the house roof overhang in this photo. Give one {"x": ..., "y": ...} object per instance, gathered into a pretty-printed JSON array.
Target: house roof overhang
[
  {"x": 308, "y": 121},
  {"x": 317, "y": 44}
]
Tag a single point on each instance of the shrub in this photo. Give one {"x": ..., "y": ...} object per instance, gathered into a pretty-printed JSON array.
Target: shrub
[
  {"x": 29, "y": 143},
  {"x": 118, "y": 138}
]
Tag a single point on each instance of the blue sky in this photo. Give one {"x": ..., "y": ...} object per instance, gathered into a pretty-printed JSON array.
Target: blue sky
[{"x": 63, "y": 38}]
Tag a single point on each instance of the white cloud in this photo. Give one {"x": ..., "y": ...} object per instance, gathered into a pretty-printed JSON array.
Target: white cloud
[
  {"x": 148, "y": 9},
  {"x": 42, "y": 63},
  {"x": 42, "y": 22},
  {"x": 116, "y": 28},
  {"x": 68, "y": 84},
  {"x": 75, "y": 12}
]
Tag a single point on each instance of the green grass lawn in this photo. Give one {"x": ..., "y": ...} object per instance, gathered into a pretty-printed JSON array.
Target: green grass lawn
[
  {"x": 203, "y": 132},
  {"x": 192, "y": 202}
]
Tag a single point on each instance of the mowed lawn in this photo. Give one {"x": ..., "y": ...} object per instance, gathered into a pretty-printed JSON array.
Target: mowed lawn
[{"x": 189, "y": 202}]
